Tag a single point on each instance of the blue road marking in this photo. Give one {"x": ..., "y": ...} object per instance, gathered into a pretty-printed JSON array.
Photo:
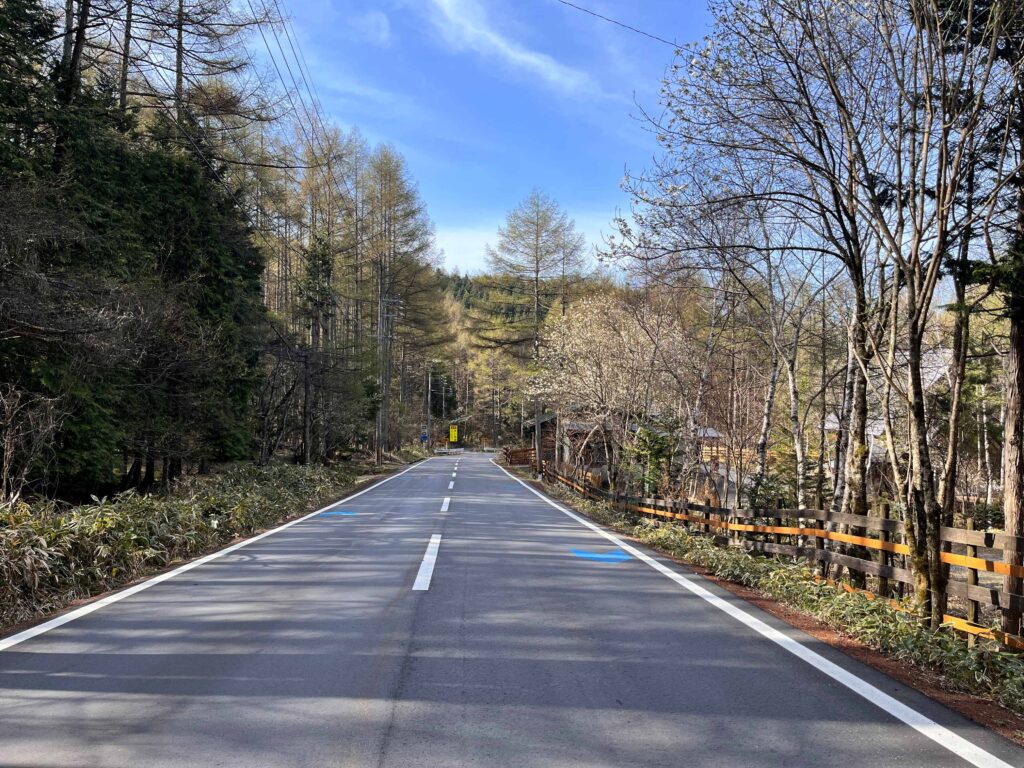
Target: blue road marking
[
  {"x": 336, "y": 512},
  {"x": 615, "y": 556}
]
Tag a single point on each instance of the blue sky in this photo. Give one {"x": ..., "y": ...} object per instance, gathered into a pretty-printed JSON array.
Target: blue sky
[{"x": 488, "y": 99}]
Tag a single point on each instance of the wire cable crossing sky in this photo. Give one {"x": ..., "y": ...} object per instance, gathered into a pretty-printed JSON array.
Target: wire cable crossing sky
[{"x": 452, "y": 84}]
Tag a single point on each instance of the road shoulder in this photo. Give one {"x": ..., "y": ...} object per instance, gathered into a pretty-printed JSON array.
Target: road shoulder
[
  {"x": 361, "y": 485},
  {"x": 929, "y": 683}
]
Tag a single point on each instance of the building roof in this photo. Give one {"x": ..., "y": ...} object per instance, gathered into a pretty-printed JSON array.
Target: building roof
[{"x": 544, "y": 418}]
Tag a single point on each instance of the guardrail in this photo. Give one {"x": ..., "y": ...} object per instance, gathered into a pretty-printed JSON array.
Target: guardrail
[{"x": 874, "y": 546}]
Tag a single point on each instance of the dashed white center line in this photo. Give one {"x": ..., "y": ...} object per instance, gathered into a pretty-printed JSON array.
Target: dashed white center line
[
  {"x": 444, "y": 505},
  {"x": 451, "y": 484},
  {"x": 422, "y": 582},
  {"x": 453, "y": 474}
]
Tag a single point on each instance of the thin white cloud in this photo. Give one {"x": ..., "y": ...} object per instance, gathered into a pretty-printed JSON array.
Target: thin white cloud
[
  {"x": 344, "y": 86},
  {"x": 373, "y": 27},
  {"x": 465, "y": 24}
]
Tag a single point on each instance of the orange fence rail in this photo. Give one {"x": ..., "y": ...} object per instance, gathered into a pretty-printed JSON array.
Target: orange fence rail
[{"x": 873, "y": 546}]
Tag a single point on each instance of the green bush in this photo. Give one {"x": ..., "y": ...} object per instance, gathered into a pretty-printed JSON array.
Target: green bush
[
  {"x": 984, "y": 669},
  {"x": 51, "y": 556}
]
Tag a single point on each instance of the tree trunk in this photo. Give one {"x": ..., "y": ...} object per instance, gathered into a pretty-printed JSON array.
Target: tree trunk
[
  {"x": 536, "y": 431},
  {"x": 843, "y": 435},
  {"x": 1013, "y": 462},
  {"x": 307, "y": 412},
  {"x": 947, "y": 482},
  {"x": 923, "y": 515},
  {"x": 149, "y": 478},
  {"x": 984, "y": 446},
  {"x": 855, "y": 497},
  {"x": 179, "y": 62},
  {"x": 126, "y": 45},
  {"x": 69, "y": 38},
  {"x": 796, "y": 428},
  {"x": 766, "y": 428},
  {"x": 133, "y": 476},
  {"x": 1013, "y": 435},
  {"x": 70, "y": 76}
]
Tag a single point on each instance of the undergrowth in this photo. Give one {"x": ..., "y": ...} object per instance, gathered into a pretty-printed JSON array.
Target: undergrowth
[
  {"x": 52, "y": 555},
  {"x": 984, "y": 669}
]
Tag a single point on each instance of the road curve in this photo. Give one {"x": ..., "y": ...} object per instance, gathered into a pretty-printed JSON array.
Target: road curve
[{"x": 492, "y": 629}]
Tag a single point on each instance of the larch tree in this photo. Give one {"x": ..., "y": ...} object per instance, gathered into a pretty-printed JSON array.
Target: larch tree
[{"x": 538, "y": 255}]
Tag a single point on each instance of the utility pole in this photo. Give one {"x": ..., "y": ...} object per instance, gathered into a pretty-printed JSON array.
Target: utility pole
[{"x": 430, "y": 408}]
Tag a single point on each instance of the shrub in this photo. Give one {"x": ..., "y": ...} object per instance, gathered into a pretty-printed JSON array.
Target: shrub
[{"x": 51, "y": 556}]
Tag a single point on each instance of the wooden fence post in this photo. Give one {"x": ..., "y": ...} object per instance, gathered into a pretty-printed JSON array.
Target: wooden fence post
[
  {"x": 972, "y": 581},
  {"x": 819, "y": 543},
  {"x": 885, "y": 558}
]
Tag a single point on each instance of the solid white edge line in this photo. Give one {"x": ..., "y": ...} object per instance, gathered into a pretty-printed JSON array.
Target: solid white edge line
[
  {"x": 426, "y": 571},
  {"x": 445, "y": 503},
  {"x": 103, "y": 602},
  {"x": 941, "y": 735}
]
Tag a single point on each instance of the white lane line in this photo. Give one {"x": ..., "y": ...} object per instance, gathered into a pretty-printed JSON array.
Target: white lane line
[
  {"x": 445, "y": 503},
  {"x": 85, "y": 610},
  {"x": 451, "y": 484},
  {"x": 422, "y": 582},
  {"x": 453, "y": 474},
  {"x": 941, "y": 735}
]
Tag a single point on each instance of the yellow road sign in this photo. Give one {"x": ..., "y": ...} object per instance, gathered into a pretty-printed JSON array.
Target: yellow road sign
[{"x": 453, "y": 433}]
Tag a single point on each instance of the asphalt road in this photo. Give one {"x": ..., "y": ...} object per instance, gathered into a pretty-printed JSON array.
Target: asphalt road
[{"x": 533, "y": 641}]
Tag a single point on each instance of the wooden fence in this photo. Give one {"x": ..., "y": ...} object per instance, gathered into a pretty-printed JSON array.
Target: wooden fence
[
  {"x": 519, "y": 457},
  {"x": 872, "y": 546}
]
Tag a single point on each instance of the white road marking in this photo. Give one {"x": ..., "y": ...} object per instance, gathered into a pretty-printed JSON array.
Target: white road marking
[
  {"x": 451, "y": 484},
  {"x": 445, "y": 503},
  {"x": 941, "y": 735},
  {"x": 422, "y": 582},
  {"x": 85, "y": 610},
  {"x": 453, "y": 474}
]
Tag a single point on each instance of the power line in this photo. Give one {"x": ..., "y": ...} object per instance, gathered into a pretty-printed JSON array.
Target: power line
[
  {"x": 300, "y": 59},
  {"x": 304, "y": 76},
  {"x": 617, "y": 23},
  {"x": 313, "y": 111},
  {"x": 287, "y": 91}
]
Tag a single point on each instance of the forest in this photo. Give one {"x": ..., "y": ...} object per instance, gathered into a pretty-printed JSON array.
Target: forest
[
  {"x": 191, "y": 271},
  {"x": 815, "y": 301}
]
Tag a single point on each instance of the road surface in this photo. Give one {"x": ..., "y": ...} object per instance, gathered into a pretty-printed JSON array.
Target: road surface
[{"x": 500, "y": 631}]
